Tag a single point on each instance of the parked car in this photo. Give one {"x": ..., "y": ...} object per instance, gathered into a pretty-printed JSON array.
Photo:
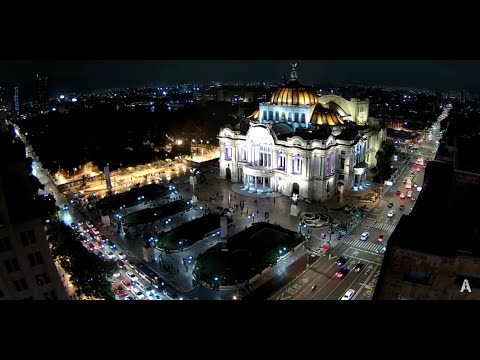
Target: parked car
[
  {"x": 391, "y": 213},
  {"x": 127, "y": 284},
  {"x": 365, "y": 236},
  {"x": 131, "y": 276}
]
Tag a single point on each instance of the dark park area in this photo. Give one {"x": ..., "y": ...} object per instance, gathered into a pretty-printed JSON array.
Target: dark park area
[
  {"x": 249, "y": 252},
  {"x": 133, "y": 197},
  {"x": 157, "y": 213},
  {"x": 189, "y": 233}
]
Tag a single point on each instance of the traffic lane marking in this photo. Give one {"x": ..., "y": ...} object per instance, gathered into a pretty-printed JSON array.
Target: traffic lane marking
[
  {"x": 365, "y": 283},
  {"x": 324, "y": 276},
  {"x": 293, "y": 287},
  {"x": 333, "y": 278}
]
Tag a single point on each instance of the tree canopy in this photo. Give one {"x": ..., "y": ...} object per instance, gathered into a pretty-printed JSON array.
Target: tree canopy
[{"x": 88, "y": 271}]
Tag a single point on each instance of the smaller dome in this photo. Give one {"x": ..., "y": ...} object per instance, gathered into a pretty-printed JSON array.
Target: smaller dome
[
  {"x": 323, "y": 116},
  {"x": 254, "y": 116}
]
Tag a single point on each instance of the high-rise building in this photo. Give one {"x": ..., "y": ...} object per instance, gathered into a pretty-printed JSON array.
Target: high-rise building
[
  {"x": 42, "y": 88},
  {"x": 27, "y": 269},
  {"x": 17, "y": 99},
  {"x": 463, "y": 96},
  {"x": 3, "y": 91}
]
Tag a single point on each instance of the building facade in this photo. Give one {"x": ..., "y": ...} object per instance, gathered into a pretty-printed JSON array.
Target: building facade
[
  {"x": 42, "y": 88},
  {"x": 300, "y": 143},
  {"x": 27, "y": 269}
]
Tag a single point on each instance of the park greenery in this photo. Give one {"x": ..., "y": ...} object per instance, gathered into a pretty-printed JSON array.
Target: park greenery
[{"x": 249, "y": 252}]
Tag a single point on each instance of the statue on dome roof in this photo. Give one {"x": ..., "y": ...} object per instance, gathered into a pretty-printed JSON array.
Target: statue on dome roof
[{"x": 293, "y": 74}]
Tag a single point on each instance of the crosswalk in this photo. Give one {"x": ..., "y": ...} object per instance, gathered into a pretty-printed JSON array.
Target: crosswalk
[
  {"x": 369, "y": 222},
  {"x": 369, "y": 246},
  {"x": 381, "y": 203}
]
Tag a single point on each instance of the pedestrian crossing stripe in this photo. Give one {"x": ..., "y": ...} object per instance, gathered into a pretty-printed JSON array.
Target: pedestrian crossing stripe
[
  {"x": 363, "y": 244},
  {"x": 379, "y": 225}
]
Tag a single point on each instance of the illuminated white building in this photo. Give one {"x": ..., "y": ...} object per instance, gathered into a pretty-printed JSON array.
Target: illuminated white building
[{"x": 300, "y": 143}]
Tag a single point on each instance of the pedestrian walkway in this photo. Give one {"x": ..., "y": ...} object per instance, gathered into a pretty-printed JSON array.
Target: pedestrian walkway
[
  {"x": 370, "y": 222},
  {"x": 360, "y": 244}
]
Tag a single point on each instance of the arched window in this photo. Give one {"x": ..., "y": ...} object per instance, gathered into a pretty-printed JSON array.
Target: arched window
[
  {"x": 303, "y": 118},
  {"x": 264, "y": 117},
  {"x": 283, "y": 116},
  {"x": 289, "y": 116},
  {"x": 270, "y": 115},
  {"x": 295, "y": 117},
  {"x": 277, "y": 116}
]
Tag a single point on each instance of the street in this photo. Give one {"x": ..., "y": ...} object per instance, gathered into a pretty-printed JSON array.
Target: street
[{"x": 319, "y": 282}]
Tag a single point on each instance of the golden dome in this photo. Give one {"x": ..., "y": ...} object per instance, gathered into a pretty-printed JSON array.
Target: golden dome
[
  {"x": 294, "y": 94},
  {"x": 323, "y": 116}
]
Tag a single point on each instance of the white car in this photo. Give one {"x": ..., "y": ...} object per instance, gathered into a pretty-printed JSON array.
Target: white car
[
  {"x": 391, "y": 213},
  {"x": 409, "y": 194},
  {"x": 121, "y": 255},
  {"x": 131, "y": 276},
  {"x": 138, "y": 294},
  {"x": 365, "y": 236},
  {"x": 348, "y": 295},
  {"x": 110, "y": 254}
]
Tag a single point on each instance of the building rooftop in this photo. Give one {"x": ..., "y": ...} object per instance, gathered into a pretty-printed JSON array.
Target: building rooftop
[
  {"x": 444, "y": 221},
  {"x": 466, "y": 154}
]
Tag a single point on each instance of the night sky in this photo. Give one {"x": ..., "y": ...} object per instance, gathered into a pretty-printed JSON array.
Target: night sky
[{"x": 68, "y": 76}]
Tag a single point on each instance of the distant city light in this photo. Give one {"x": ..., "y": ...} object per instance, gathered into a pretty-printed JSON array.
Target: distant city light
[
  {"x": 74, "y": 99},
  {"x": 62, "y": 97}
]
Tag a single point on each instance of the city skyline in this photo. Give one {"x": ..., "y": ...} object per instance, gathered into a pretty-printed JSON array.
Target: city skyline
[{"x": 88, "y": 75}]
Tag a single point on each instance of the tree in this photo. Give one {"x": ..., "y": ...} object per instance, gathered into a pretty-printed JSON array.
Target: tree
[
  {"x": 384, "y": 158},
  {"x": 45, "y": 206},
  {"x": 88, "y": 271}
]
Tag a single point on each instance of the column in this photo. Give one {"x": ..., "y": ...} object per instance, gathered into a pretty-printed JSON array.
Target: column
[
  {"x": 304, "y": 166},
  {"x": 288, "y": 164},
  {"x": 274, "y": 159},
  {"x": 255, "y": 180},
  {"x": 322, "y": 166},
  {"x": 263, "y": 179}
]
